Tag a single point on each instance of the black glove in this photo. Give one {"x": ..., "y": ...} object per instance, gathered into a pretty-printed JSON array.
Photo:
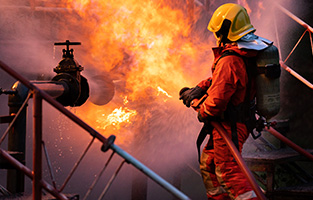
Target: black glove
[{"x": 190, "y": 94}]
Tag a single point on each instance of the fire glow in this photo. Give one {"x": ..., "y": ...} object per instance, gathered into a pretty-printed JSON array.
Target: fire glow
[
  {"x": 148, "y": 48},
  {"x": 118, "y": 117},
  {"x": 160, "y": 90}
]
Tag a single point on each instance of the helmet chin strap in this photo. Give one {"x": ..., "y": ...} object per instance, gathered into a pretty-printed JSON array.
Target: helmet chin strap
[{"x": 221, "y": 41}]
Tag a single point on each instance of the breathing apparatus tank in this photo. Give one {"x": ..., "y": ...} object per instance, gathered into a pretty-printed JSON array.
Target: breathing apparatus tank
[{"x": 268, "y": 82}]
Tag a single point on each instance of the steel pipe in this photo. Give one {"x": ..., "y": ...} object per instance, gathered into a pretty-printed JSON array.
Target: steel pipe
[
  {"x": 54, "y": 103},
  {"x": 298, "y": 20},
  {"x": 95, "y": 134},
  {"x": 37, "y": 152},
  {"x": 149, "y": 173},
  {"x": 29, "y": 173},
  {"x": 295, "y": 74},
  {"x": 111, "y": 180},
  {"x": 239, "y": 159},
  {"x": 17, "y": 135},
  {"x": 98, "y": 177},
  {"x": 15, "y": 117},
  {"x": 53, "y": 88},
  {"x": 289, "y": 142}
]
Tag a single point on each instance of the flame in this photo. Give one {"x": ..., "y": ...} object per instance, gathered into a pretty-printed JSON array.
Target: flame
[
  {"x": 146, "y": 47},
  {"x": 118, "y": 117},
  {"x": 160, "y": 90},
  {"x": 144, "y": 39},
  {"x": 245, "y": 5},
  {"x": 149, "y": 48},
  {"x": 256, "y": 9},
  {"x": 260, "y": 9}
]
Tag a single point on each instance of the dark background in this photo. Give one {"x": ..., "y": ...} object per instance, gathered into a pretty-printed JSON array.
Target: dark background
[{"x": 26, "y": 45}]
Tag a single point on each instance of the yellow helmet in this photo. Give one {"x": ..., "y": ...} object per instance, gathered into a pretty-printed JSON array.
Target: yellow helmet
[{"x": 237, "y": 22}]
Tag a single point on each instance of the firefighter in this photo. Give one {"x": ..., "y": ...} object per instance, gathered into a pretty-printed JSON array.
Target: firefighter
[{"x": 228, "y": 91}]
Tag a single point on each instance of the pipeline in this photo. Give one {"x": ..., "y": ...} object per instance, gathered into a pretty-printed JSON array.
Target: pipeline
[
  {"x": 289, "y": 142},
  {"x": 292, "y": 16},
  {"x": 40, "y": 95},
  {"x": 295, "y": 74},
  {"x": 29, "y": 173},
  {"x": 307, "y": 27},
  {"x": 148, "y": 172}
]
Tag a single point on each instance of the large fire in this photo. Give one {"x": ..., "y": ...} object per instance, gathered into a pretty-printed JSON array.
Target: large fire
[
  {"x": 119, "y": 116},
  {"x": 149, "y": 48},
  {"x": 145, "y": 47}
]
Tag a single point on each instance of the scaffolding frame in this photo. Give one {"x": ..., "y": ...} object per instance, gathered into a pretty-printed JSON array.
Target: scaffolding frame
[{"x": 108, "y": 143}]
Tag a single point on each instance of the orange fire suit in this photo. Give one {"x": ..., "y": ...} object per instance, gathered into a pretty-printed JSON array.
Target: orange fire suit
[{"x": 221, "y": 174}]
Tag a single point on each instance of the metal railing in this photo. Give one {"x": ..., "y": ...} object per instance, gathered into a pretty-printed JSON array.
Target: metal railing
[
  {"x": 108, "y": 143},
  {"x": 308, "y": 29}
]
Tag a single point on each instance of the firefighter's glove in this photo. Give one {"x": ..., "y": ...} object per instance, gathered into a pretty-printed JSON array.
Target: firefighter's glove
[
  {"x": 190, "y": 94},
  {"x": 204, "y": 117}
]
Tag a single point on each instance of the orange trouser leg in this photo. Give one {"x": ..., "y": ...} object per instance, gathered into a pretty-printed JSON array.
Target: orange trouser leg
[
  {"x": 227, "y": 170},
  {"x": 214, "y": 189},
  {"x": 221, "y": 173}
]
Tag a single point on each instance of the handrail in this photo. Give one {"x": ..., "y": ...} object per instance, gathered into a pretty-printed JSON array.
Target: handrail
[
  {"x": 295, "y": 18},
  {"x": 14, "y": 119},
  {"x": 43, "y": 95},
  {"x": 29, "y": 173},
  {"x": 148, "y": 172},
  {"x": 241, "y": 162},
  {"x": 295, "y": 74},
  {"x": 308, "y": 28},
  {"x": 289, "y": 142}
]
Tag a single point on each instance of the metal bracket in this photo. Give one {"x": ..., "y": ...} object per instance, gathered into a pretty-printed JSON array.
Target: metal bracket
[{"x": 109, "y": 142}]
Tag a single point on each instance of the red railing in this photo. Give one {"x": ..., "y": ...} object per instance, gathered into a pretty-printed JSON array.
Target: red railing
[{"x": 36, "y": 174}]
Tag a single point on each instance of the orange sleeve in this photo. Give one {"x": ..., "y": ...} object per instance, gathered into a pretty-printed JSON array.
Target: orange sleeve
[
  {"x": 205, "y": 84},
  {"x": 229, "y": 81}
]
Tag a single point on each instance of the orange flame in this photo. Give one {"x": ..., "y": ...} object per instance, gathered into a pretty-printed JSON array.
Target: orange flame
[
  {"x": 160, "y": 90},
  {"x": 118, "y": 117},
  {"x": 257, "y": 9},
  {"x": 145, "y": 46},
  {"x": 149, "y": 49}
]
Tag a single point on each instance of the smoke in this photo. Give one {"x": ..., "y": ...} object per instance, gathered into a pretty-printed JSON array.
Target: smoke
[{"x": 163, "y": 133}]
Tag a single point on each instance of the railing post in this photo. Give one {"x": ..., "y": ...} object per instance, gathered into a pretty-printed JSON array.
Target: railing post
[
  {"x": 37, "y": 139},
  {"x": 17, "y": 136}
]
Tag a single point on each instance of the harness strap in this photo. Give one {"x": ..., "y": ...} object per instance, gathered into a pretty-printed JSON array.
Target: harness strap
[{"x": 206, "y": 130}]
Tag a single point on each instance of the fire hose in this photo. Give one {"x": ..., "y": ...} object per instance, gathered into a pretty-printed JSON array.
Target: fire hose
[
  {"x": 195, "y": 104},
  {"x": 234, "y": 151}
]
